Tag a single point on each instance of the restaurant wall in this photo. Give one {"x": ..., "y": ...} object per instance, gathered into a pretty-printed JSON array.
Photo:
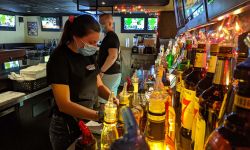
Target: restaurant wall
[
  {"x": 42, "y": 35},
  {"x": 17, "y": 36}
]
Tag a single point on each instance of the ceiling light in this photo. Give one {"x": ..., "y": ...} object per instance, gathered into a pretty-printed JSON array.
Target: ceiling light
[
  {"x": 56, "y": 8},
  {"x": 103, "y": 3},
  {"x": 28, "y": 11}
]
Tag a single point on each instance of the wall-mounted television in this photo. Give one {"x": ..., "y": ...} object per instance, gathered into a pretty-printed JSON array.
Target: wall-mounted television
[
  {"x": 11, "y": 65},
  {"x": 134, "y": 24},
  {"x": 7, "y": 22},
  {"x": 152, "y": 24},
  {"x": 51, "y": 23}
]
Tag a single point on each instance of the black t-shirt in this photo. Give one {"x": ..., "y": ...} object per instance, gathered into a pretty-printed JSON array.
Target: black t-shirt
[
  {"x": 111, "y": 40},
  {"x": 69, "y": 68}
]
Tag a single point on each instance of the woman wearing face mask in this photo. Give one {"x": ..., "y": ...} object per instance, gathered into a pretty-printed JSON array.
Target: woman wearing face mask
[{"x": 73, "y": 75}]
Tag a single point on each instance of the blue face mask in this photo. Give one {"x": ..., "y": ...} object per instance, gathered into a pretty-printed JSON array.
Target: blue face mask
[{"x": 88, "y": 50}]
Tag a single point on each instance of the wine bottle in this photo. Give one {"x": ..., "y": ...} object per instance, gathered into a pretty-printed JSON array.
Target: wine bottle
[
  {"x": 188, "y": 100},
  {"x": 210, "y": 101},
  {"x": 235, "y": 131},
  {"x": 204, "y": 84}
]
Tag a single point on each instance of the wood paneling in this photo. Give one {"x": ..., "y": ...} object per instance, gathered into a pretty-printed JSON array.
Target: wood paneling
[{"x": 167, "y": 25}]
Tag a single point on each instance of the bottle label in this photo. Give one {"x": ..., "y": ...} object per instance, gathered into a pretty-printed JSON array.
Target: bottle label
[
  {"x": 182, "y": 89},
  {"x": 200, "y": 60},
  {"x": 243, "y": 102},
  {"x": 200, "y": 134},
  {"x": 188, "y": 103},
  {"x": 212, "y": 64},
  {"x": 196, "y": 105},
  {"x": 155, "y": 130}
]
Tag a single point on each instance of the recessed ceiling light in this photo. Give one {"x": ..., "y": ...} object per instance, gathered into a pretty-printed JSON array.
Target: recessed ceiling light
[
  {"x": 103, "y": 3},
  {"x": 28, "y": 11},
  {"x": 56, "y": 8}
]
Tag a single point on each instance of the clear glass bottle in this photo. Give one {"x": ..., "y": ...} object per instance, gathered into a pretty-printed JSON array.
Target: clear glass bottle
[
  {"x": 137, "y": 109},
  {"x": 124, "y": 101},
  {"x": 109, "y": 131},
  {"x": 155, "y": 127}
]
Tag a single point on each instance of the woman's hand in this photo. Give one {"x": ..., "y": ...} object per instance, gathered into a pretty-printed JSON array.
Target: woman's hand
[{"x": 116, "y": 101}]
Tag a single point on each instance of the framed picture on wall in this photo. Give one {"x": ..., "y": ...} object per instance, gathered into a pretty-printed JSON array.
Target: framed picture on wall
[{"x": 32, "y": 28}]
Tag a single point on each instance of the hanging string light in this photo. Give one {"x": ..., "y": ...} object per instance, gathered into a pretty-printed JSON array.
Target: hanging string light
[{"x": 134, "y": 8}]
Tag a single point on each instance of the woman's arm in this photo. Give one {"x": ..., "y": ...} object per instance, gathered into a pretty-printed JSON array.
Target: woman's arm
[
  {"x": 103, "y": 91},
  {"x": 62, "y": 96}
]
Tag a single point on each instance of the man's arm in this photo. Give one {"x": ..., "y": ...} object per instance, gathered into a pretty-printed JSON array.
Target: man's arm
[{"x": 112, "y": 56}]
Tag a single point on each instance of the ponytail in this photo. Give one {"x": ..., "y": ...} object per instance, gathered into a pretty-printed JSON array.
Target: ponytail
[
  {"x": 67, "y": 35},
  {"x": 79, "y": 27}
]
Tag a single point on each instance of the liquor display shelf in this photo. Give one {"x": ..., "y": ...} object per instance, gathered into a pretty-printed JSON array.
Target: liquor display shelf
[{"x": 7, "y": 106}]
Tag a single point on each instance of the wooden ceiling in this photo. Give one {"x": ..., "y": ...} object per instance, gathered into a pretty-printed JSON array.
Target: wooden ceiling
[{"x": 31, "y": 7}]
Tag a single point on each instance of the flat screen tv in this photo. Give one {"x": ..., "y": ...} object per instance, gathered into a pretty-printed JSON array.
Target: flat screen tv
[
  {"x": 133, "y": 24},
  {"x": 11, "y": 65},
  {"x": 51, "y": 23},
  {"x": 7, "y": 22},
  {"x": 152, "y": 24}
]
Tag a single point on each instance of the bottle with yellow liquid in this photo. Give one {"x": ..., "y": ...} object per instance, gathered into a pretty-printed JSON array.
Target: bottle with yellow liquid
[
  {"x": 109, "y": 131},
  {"x": 137, "y": 109},
  {"x": 155, "y": 127},
  {"x": 124, "y": 101},
  {"x": 135, "y": 82}
]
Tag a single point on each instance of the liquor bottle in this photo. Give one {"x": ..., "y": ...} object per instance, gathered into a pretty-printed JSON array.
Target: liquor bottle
[
  {"x": 204, "y": 84},
  {"x": 188, "y": 100},
  {"x": 169, "y": 125},
  {"x": 155, "y": 126},
  {"x": 124, "y": 101},
  {"x": 211, "y": 99},
  {"x": 135, "y": 82},
  {"x": 179, "y": 71},
  {"x": 130, "y": 90},
  {"x": 235, "y": 131},
  {"x": 136, "y": 108},
  {"x": 87, "y": 140},
  {"x": 109, "y": 131},
  {"x": 144, "y": 104},
  {"x": 132, "y": 139},
  {"x": 170, "y": 58},
  {"x": 188, "y": 61}
]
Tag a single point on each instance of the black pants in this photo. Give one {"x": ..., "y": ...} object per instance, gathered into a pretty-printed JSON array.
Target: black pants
[{"x": 63, "y": 132}]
